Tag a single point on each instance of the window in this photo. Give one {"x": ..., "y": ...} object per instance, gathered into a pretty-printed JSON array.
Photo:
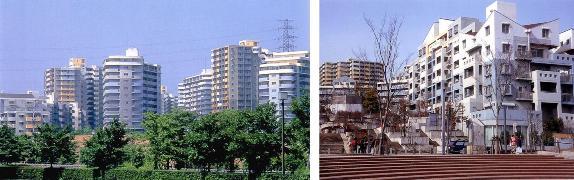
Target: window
[
  {"x": 456, "y": 50},
  {"x": 455, "y": 29},
  {"x": 450, "y": 33},
  {"x": 505, "y": 28},
  {"x": 487, "y": 49},
  {"x": 545, "y": 33},
  {"x": 463, "y": 44},
  {"x": 567, "y": 41},
  {"x": 487, "y": 30},
  {"x": 505, "y": 48},
  {"x": 537, "y": 53}
]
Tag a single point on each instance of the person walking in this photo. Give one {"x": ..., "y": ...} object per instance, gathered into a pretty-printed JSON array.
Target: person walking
[{"x": 513, "y": 142}]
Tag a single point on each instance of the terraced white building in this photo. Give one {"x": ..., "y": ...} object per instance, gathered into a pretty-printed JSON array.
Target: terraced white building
[{"x": 464, "y": 60}]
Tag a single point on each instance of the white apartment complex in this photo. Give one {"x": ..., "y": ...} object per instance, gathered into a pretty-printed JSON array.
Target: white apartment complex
[
  {"x": 463, "y": 61},
  {"x": 65, "y": 87},
  {"x": 75, "y": 89},
  {"x": 284, "y": 75},
  {"x": 23, "y": 112},
  {"x": 235, "y": 69},
  {"x": 131, "y": 87},
  {"x": 195, "y": 92},
  {"x": 168, "y": 100}
]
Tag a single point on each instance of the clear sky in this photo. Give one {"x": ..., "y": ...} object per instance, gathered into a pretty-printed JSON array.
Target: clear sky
[
  {"x": 344, "y": 30},
  {"x": 178, "y": 35}
]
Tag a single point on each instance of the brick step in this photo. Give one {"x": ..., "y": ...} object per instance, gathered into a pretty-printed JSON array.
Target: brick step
[
  {"x": 489, "y": 168},
  {"x": 437, "y": 157},
  {"x": 413, "y": 161},
  {"x": 403, "y": 167},
  {"x": 479, "y": 173},
  {"x": 446, "y": 167},
  {"x": 415, "y": 166},
  {"x": 440, "y": 164}
]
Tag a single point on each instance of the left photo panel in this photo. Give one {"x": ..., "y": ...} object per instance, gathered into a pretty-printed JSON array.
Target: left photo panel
[{"x": 154, "y": 90}]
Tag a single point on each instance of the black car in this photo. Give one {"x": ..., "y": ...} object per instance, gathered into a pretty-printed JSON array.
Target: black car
[{"x": 457, "y": 146}]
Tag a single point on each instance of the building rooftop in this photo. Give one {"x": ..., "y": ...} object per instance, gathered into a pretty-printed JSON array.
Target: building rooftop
[{"x": 8, "y": 95}]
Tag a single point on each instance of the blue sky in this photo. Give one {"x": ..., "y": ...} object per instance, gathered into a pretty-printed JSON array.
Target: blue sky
[
  {"x": 343, "y": 29},
  {"x": 178, "y": 35}
]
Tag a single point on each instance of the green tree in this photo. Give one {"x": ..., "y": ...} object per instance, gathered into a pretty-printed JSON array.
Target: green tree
[
  {"x": 166, "y": 134},
  {"x": 212, "y": 140},
  {"x": 55, "y": 144},
  {"x": 27, "y": 148},
  {"x": 552, "y": 125},
  {"x": 259, "y": 138},
  {"x": 297, "y": 135},
  {"x": 370, "y": 100},
  {"x": 9, "y": 145},
  {"x": 105, "y": 149}
]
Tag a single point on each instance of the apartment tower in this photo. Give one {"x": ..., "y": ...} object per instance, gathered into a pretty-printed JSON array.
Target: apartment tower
[
  {"x": 284, "y": 75},
  {"x": 235, "y": 69},
  {"x": 131, "y": 88}
]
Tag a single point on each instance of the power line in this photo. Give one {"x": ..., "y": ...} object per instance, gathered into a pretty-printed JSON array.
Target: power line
[{"x": 287, "y": 39}]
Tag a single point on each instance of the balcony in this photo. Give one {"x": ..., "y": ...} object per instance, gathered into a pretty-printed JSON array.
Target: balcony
[
  {"x": 566, "y": 79},
  {"x": 523, "y": 96},
  {"x": 553, "y": 59},
  {"x": 567, "y": 98},
  {"x": 523, "y": 55},
  {"x": 545, "y": 42},
  {"x": 524, "y": 76}
]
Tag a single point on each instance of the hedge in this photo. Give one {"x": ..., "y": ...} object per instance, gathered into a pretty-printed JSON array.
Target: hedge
[{"x": 26, "y": 172}]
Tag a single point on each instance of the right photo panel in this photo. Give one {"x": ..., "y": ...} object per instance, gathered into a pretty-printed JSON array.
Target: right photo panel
[{"x": 446, "y": 89}]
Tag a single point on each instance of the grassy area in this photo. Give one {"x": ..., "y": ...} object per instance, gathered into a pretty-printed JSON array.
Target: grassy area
[{"x": 27, "y": 172}]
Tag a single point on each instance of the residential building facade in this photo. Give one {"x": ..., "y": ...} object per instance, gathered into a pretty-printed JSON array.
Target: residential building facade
[
  {"x": 284, "y": 75},
  {"x": 502, "y": 72},
  {"x": 76, "y": 89},
  {"x": 23, "y": 112},
  {"x": 131, "y": 88},
  {"x": 66, "y": 86},
  {"x": 365, "y": 73},
  {"x": 168, "y": 100},
  {"x": 195, "y": 92},
  {"x": 235, "y": 69}
]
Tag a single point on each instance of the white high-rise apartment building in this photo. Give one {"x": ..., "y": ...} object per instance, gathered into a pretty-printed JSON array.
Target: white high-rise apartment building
[
  {"x": 168, "y": 100},
  {"x": 235, "y": 69},
  {"x": 195, "y": 92},
  {"x": 131, "y": 87},
  {"x": 284, "y": 75},
  {"x": 464, "y": 60},
  {"x": 23, "y": 112},
  {"x": 93, "y": 98}
]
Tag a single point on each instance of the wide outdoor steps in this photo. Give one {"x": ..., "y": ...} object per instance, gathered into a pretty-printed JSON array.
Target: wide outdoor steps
[{"x": 446, "y": 167}]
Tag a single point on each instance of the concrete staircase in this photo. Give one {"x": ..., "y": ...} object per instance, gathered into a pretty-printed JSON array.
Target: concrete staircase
[{"x": 446, "y": 167}]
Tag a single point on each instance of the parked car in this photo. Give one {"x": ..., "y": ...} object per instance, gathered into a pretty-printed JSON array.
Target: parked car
[{"x": 457, "y": 146}]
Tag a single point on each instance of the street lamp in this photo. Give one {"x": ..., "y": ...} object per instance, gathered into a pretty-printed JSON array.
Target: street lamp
[{"x": 283, "y": 98}]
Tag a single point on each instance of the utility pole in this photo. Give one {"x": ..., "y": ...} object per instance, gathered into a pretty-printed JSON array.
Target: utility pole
[
  {"x": 442, "y": 129},
  {"x": 504, "y": 130},
  {"x": 283, "y": 134},
  {"x": 287, "y": 39}
]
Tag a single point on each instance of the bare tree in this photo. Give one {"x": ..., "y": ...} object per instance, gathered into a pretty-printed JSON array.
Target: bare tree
[
  {"x": 386, "y": 43},
  {"x": 501, "y": 73}
]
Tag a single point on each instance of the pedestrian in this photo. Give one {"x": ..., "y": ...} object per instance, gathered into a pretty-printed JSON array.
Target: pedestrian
[
  {"x": 513, "y": 143},
  {"x": 352, "y": 145}
]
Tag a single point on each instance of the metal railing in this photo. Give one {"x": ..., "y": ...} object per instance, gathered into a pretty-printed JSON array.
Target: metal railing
[{"x": 524, "y": 95}]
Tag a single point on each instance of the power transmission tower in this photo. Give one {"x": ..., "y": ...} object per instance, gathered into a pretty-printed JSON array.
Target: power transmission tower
[{"x": 287, "y": 39}]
